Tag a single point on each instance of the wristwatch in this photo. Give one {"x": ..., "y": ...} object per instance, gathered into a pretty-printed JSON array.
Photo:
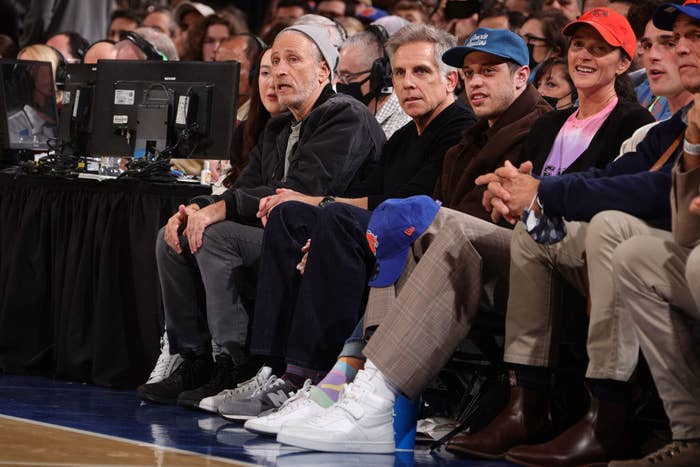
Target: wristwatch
[{"x": 326, "y": 201}]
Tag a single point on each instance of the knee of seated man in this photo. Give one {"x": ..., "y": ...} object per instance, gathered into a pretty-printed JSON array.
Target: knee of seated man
[
  {"x": 606, "y": 225},
  {"x": 628, "y": 259}
]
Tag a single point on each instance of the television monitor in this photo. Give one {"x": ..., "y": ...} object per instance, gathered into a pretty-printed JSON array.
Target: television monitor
[
  {"x": 188, "y": 108},
  {"x": 76, "y": 116},
  {"x": 28, "y": 113}
]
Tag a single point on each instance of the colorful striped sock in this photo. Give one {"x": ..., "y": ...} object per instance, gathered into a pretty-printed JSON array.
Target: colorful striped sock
[{"x": 327, "y": 391}]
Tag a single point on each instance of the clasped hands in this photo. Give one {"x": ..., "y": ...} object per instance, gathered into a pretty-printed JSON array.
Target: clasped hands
[
  {"x": 191, "y": 222},
  {"x": 509, "y": 191}
]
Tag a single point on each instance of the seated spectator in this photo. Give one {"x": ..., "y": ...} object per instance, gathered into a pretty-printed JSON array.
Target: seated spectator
[
  {"x": 413, "y": 12},
  {"x": 122, "y": 20},
  {"x": 186, "y": 15},
  {"x": 71, "y": 45},
  {"x": 335, "y": 9},
  {"x": 161, "y": 46},
  {"x": 649, "y": 36},
  {"x": 205, "y": 36},
  {"x": 307, "y": 320},
  {"x": 161, "y": 19},
  {"x": 264, "y": 104},
  {"x": 44, "y": 53},
  {"x": 319, "y": 147},
  {"x": 8, "y": 47},
  {"x": 290, "y": 10},
  {"x": 569, "y": 8},
  {"x": 555, "y": 84},
  {"x": 494, "y": 17},
  {"x": 100, "y": 50},
  {"x": 521, "y": 6},
  {"x": 543, "y": 36},
  {"x": 364, "y": 72},
  {"x": 351, "y": 25},
  {"x": 495, "y": 64}
]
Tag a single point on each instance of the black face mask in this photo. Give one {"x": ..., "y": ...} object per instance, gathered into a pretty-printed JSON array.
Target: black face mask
[
  {"x": 551, "y": 101},
  {"x": 355, "y": 90}
]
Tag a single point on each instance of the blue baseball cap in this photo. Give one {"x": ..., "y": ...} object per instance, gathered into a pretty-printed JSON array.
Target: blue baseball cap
[
  {"x": 394, "y": 226},
  {"x": 499, "y": 42},
  {"x": 666, "y": 14}
]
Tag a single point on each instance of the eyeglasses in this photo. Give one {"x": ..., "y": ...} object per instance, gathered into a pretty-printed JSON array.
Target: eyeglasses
[
  {"x": 529, "y": 39},
  {"x": 347, "y": 78}
]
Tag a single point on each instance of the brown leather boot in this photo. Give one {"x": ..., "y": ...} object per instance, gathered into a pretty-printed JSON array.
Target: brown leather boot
[
  {"x": 526, "y": 419},
  {"x": 598, "y": 437}
]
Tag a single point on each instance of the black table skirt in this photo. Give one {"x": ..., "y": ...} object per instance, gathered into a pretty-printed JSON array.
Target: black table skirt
[{"x": 79, "y": 292}]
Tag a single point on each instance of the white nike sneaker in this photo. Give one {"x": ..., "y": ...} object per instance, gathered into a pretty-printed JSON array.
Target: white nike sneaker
[
  {"x": 243, "y": 390},
  {"x": 166, "y": 363},
  {"x": 361, "y": 420},
  {"x": 298, "y": 407}
]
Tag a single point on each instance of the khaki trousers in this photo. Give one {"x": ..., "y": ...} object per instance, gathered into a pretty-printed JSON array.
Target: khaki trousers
[
  {"x": 657, "y": 280},
  {"x": 423, "y": 317},
  {"x": 583, "y": 259}
]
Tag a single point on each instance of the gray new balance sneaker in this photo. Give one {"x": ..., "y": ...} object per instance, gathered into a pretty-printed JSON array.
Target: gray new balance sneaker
[
  {"x": 242, "y": 391},
  {"x": 271, "y": 395}
]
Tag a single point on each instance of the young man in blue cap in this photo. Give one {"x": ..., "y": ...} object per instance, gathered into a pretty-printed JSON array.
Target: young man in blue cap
[{"x": 414, "y": 306}]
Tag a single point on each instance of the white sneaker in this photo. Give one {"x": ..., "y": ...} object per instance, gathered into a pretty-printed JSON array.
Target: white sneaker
[
  {"x": 361, "y": 421},
  {"x": 166, "y": 363},
  {"x": 243, "y": 390},
  {"x": 298, "y": 407}
]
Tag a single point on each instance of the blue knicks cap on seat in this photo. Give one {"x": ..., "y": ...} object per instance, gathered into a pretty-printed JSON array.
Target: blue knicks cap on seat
[
  {"x": 666, "y": 14},
  {"x": 499, "y": 42},
  {"x": 394, "y": 226}
]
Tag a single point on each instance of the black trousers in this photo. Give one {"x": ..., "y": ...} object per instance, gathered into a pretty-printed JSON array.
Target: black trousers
[{"x": 307, "y": 318}]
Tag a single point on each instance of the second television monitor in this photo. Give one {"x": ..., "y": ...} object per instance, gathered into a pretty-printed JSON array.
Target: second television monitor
[{"x": 187, "y": 107}]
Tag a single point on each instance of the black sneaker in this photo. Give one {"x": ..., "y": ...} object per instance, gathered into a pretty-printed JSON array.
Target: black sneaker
[
  {"x": 224, "y": 376},
  {"x": 192, "y": 373},
  {"x": 270, "y": 396}
]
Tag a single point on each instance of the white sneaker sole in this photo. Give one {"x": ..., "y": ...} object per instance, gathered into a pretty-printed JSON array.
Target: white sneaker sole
[
  {"x": 369, "y": 447},
  {"x": 260, "y": 428},
  {"x": 238, "y": 418}
]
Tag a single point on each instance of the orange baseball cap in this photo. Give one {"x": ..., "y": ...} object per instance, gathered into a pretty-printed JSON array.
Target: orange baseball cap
[{"x": 612, "y": 26}]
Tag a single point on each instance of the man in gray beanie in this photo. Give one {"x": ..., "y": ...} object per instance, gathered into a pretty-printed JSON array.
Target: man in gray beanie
[{"x": 320, "y": 147}]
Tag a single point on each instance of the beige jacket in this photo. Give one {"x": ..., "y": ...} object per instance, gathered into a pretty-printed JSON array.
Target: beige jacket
[{"x": 685, "y": 187}]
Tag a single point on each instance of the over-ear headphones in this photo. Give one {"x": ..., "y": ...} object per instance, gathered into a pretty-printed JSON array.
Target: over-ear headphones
[
  {"x": 78, "y": 45},
  {"x": 61, "y": 69},
  {"x": 260, "y": 46},
  {"x": 151, "y": 52},
  {"x": 380, "y": 73}
]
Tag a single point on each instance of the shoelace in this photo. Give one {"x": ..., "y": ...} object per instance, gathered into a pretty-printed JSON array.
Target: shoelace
[
  {"x": 244, "y": 387},
  {"x": 164, "y": 358},
  {"x": 668, "y": 451},
  {"x": 301, "y": 395},
  {"x": 271, "y": 383}
]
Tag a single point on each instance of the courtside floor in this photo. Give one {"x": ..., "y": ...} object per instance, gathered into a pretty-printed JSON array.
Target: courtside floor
[{"x": 46, "y": 422}]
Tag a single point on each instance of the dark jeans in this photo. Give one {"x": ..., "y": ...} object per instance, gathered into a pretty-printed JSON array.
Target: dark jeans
[
  {"x": 307, "y": 318},
  {"x": 202, "y": 292}
]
